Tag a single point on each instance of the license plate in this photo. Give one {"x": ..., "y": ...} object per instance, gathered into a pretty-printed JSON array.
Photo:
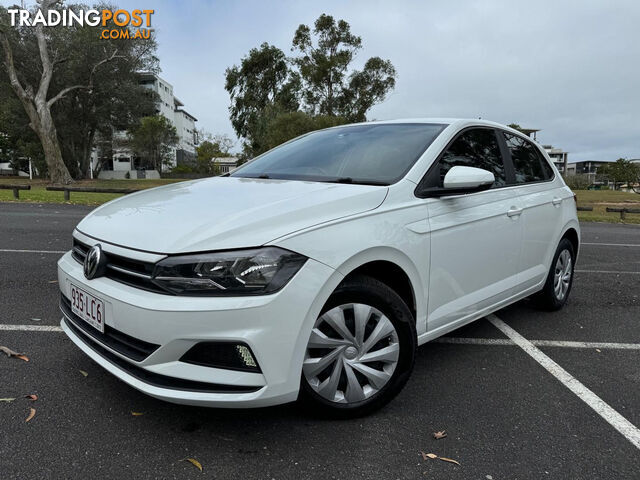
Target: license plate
[{"x": 87, "y": 307}]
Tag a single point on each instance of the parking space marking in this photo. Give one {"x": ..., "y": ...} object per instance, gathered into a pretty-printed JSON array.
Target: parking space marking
[
  {"x": 501, "y": 342},
  {"x": 617, "y": 421},
  {"x": 9, "y": 250},
  {"x": 612, "y": 244},
  {"x": 607, "y": 271},
  {"x": 539, "y": 343},
  {"x": 30, "y": 328}
]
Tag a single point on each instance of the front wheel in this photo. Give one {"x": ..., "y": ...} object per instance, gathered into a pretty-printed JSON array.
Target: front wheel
[
  {"x": 361, "y": 350},
  {"x": 559, "y": 279}
]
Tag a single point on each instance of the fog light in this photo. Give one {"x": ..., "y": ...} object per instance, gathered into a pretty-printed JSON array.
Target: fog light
[
  {"x": 246, "y": 355},
  {"x": 227, "y": 355}
]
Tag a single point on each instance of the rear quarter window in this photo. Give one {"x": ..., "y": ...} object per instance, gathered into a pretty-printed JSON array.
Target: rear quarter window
[{"x": 528, "y": 163}]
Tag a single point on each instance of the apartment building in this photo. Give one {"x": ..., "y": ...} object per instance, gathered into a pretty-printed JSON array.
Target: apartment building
[
  {"x": 558, "y": 156},
  {"x": 172, "y": 109}
]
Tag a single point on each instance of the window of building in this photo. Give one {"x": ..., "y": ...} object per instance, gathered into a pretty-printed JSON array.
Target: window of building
[{"x": 478, "y": 148}]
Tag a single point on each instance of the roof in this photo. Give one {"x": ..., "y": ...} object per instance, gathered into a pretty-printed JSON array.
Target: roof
[
  {"x": 187, "y": 114},
  {"x": 587, "y": 161},
  {"x": 225, "y": 160},
  {"x": 457, "y": 122},
  {"x": 451, "y": 122}
]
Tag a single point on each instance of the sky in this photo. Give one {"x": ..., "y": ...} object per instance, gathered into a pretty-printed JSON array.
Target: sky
[{"x": 568, "y": 68}]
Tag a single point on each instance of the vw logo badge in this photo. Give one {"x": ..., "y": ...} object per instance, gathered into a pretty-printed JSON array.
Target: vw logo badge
[{"x": 92, "y": 262}]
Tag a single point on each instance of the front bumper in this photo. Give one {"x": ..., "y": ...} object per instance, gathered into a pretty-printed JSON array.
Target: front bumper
[{"x": 276, "y": 328}]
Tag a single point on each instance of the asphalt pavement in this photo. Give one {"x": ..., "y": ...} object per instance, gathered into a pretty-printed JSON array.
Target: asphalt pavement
[{"x": 506, "y": 416}]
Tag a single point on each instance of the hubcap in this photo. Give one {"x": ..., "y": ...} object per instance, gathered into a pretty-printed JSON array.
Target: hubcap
[
  {"x": 352, "y": 353},
  {"x": 562, "y": 275}
]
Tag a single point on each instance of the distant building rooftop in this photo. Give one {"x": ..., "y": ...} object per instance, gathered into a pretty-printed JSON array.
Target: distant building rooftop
[
  {"x": 594, "y": 161},
  {"x": 529, "y": 131}
]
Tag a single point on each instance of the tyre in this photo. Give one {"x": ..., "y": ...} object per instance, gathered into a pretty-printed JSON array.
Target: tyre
[
  {"x": 361, "y": 350},
  {"x": 559, "y": 279}
]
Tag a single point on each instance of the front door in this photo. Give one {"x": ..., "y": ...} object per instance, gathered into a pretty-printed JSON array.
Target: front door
[{"x": 475, "y": 238}]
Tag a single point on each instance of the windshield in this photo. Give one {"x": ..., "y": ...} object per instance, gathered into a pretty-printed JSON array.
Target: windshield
[{"x": 376, "y": 154}]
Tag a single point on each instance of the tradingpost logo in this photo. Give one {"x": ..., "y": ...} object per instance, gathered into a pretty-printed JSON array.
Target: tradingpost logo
[{"x": 116, "y": 23}]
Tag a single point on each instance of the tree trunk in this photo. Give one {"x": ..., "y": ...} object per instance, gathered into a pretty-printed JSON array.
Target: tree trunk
[
  {"x": 46, "y": 131},
  {"x": 36, "y": 104}
]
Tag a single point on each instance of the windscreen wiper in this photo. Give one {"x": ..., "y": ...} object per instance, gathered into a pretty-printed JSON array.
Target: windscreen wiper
[{"x": 355, "y": 182}]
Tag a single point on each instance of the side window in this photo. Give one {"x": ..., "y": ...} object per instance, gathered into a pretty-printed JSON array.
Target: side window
[
  {"x": 528, "y": 163},
  {"x": 475, "y": 148}
]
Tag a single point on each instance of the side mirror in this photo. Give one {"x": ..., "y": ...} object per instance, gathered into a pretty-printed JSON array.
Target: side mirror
[
  {"x": 468, "y": 178},
  {"x": 459, "y": 180}
]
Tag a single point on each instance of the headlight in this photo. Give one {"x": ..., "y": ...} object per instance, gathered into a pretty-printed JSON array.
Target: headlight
[{"x": 240, "y": 272}]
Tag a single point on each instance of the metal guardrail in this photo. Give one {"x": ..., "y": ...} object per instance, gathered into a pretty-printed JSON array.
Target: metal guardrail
[
  {"x": 623, "y": 211},
  {"x": 67, "y": 190},
  {"x": 585, "y": 209},
  {"x": 16, "y": 188}
]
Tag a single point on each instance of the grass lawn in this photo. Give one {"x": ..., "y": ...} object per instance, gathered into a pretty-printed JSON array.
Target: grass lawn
[
  {"x": 598, "y": 199},
  {"x": 38, "y": 194},
  {"x": 601, "y": 199}
]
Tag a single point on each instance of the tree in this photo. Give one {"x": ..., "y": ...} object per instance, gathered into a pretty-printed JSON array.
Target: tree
[
  {"x": 206, "y": 153},
  {"x": 262, "y": 86},
  {"x": 72, "y": 84},
  {"x": 18, "y": 143},
  {"x": 222, "y": 141},
  {"x": 117, "y": 100},
  {"x": 620, "y": 172},
  {"x": 267, "y": 87},
  {"x": 327, "y": 86},
  {"x": 153, "y": 141}
]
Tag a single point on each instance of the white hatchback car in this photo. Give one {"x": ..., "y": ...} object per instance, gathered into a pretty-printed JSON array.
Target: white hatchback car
[{"x": 317, "y": 268}]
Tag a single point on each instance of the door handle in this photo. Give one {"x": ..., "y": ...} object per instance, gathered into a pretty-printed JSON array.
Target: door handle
[
  {"x": 514, "y": 212},
  {"x": 556, "y": 201}
]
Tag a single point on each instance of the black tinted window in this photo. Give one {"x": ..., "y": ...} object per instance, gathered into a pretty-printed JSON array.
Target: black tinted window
[
  {"x": 475, "y": 148},
  {"x": 528, "y": 163},
  {"x": 374, "y": 153},
  {"x": 547, "y": 171}
]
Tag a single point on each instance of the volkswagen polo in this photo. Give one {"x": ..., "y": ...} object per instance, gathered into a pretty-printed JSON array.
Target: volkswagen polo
[{"x": 316, "y": 269}]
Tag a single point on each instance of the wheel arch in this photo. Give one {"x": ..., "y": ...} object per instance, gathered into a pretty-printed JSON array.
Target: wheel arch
[
  {"x": 393, "y": 268},
  {"x": 571, "y": 234}
]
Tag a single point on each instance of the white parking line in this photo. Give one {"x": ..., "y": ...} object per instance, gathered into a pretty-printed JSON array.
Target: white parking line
[
  {"x": 613, "y": 244},
  {"x": 607, "y": 271},
  {"x": 617, "y": 421},
  {"x": 539, "y": 343},
  {"x": 30, "y": 328},
  {"x": 502, "y": 342},
  {"x": 626, "y": 428},
  {"x": 8, "y": 250}
]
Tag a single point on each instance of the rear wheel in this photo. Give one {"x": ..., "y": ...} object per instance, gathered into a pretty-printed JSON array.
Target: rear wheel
[
  {"x": 361, "y": 350},
  {"x": 559, "y": 279}
]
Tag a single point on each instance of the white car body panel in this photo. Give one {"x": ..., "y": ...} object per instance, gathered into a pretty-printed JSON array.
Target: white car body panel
[
  {"x": 223, "y": 213},
  {"x": 464, "y": 256}
]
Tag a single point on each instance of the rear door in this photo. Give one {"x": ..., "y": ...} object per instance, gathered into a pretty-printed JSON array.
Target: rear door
[
  {"x": 475, "y": 238},
  {"x": 541, "y": 199}
]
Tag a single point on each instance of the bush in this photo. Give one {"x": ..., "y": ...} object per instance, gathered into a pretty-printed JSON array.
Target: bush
[
  {"x": 182, "y": 169},
  {"x": 577, "y": 182}
]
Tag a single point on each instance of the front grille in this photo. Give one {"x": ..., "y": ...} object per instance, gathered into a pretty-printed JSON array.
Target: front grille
[
  {"x": 155, "y": 379},
  {"x": 131, "y": 272},
  {"x": 127, "y": 345}
]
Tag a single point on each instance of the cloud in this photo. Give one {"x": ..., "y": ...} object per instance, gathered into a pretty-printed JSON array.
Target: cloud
[{"x": 568, "y": 68}]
